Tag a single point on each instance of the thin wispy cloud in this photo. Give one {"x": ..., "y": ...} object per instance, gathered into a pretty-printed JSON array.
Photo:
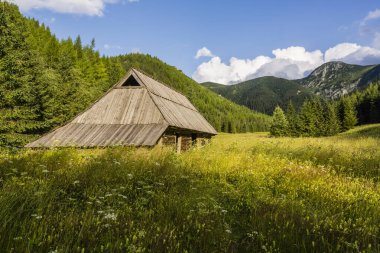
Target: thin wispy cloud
[
  {"x": 81, "y": 7},
  {"x": 109, "y": 47},
  {"x": 369, "y": 27},
  {"x": 375, "y": 14},
  {"x": 136, "y": 50}
]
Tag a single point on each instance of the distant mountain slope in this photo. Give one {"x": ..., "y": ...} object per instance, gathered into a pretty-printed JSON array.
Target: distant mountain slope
[
  {"x": 331, "y": 80},
  {"x": 335, "y": 79},
  {"x": 263, "y": 94}
]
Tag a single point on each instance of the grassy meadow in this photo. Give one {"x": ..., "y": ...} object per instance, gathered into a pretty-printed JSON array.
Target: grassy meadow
[{"x": 241, "y": 193}]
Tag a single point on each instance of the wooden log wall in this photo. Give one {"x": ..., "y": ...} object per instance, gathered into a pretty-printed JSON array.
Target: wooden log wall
[{"x": 182, "y": 142}]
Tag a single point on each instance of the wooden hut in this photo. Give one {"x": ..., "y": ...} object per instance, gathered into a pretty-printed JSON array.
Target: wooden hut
[{"x": 136, "y": 111}]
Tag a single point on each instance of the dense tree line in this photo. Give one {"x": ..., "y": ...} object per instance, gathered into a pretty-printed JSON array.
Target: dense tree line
[
  {"x": 320, "y": 117},
  {"x": 44, "y": 81}
]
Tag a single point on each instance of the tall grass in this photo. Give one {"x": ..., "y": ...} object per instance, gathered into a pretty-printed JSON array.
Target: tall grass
[{"x": 242, "y": 193}]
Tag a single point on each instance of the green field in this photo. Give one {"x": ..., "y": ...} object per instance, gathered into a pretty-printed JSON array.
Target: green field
[{"x": 241, "y": 193}]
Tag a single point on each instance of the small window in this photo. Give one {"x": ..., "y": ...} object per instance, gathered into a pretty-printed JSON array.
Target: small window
[{"x": 131, "y": 81}]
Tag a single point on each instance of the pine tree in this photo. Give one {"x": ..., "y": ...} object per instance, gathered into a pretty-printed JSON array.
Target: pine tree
[
  {"x": 333, "y": 124},
  {"x": 347, "y": 114},
  {"x": 293, "y": 120},
  {"x": 319, "y": 109},
  {"x": 78, "y": 46},
  {"x": 279, "y": 125},
  {"x": 307, "y": 119}
]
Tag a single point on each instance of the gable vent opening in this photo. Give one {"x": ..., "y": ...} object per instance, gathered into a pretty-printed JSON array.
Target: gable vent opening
[{"x": 131, "y": 81}]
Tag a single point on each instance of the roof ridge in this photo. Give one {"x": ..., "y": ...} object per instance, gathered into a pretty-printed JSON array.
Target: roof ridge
[
  {"x": 151, "y": 77},
  {"x": 158, "y": 108},
  {"x": 171, "y": 100}
]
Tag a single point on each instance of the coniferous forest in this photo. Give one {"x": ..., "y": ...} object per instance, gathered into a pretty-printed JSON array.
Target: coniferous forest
[
  {"x": 44, "y": 81},
  {"x": 321, "y": 117}
]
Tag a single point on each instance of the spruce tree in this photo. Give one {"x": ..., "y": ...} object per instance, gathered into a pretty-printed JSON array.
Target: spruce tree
[
  {"x": 293, "y": 120},
  {"x": 279, "y": 125},
  {"x": 347, "y": 114},
  {"x": 319, "y": 109},
  {"x": 333, "y": 124},
  {"x": 307, "y": 119}
]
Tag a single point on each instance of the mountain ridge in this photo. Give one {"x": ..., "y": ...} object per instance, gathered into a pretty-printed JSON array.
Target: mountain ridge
[
  {"x": 330, "y": 80},
  {"x": 263, "y": 94},
  {"x": 335, "y": 79}
]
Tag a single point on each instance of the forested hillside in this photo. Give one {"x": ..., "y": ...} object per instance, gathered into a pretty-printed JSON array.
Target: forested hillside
[
  {"x": 264, "y": 94},
  {"x": 45, "y": 81}
]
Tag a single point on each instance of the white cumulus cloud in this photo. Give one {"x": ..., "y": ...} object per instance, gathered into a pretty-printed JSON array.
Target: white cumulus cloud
[
  {"x": 290, "y": 63},
  {"x": 340, "y": 51},
  {"x": 353, "y": 53},
  {"x": 203, "y": 52},
  {"x": 84, "y": 7}
]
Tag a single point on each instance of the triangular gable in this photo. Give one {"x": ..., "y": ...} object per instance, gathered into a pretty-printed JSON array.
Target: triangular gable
[{"x": 131, "y": 79}]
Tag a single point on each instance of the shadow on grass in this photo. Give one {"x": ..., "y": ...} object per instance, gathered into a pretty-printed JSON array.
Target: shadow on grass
[{"x": 371, "y": 131}]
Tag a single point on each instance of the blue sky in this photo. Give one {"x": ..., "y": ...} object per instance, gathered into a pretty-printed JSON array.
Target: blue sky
[{"x": 249, "y": 32}]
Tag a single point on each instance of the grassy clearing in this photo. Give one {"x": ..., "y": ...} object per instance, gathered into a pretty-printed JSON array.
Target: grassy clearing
[{"x": 242, "y": 193}]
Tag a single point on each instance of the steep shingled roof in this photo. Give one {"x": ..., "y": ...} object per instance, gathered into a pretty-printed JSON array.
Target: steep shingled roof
[{"x": 135, "y": 111}]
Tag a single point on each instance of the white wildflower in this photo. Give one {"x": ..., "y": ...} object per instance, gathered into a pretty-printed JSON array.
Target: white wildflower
[
  {"x": 110, "y": 216},
  {"x": 123, "y": 196}
]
